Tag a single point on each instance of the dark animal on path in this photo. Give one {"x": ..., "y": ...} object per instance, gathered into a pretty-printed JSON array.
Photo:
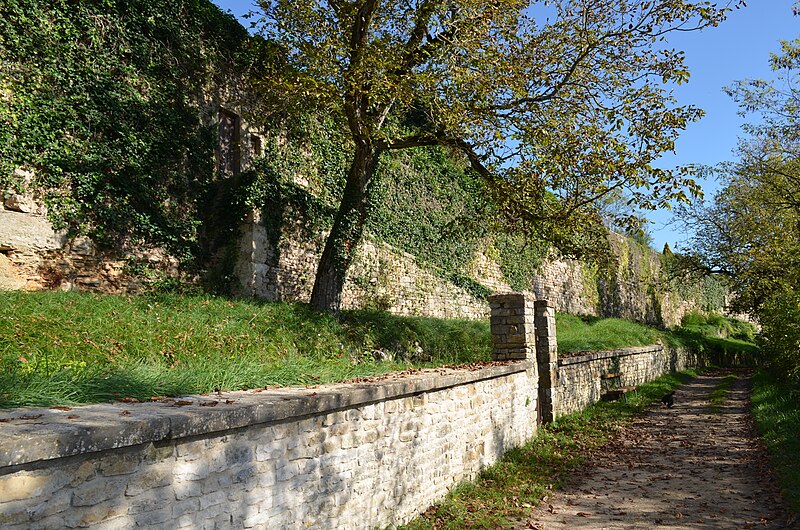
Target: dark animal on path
[{"x": 668, "y": 399}]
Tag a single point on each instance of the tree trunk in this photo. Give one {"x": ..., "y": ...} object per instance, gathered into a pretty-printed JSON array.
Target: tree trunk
[{"x": 348, "y": 227}]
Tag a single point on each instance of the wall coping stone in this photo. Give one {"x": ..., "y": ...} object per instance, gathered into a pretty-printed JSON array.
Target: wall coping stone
[
  {"x": 607, "y": 354},
  {"x": 35, "y": 434}
]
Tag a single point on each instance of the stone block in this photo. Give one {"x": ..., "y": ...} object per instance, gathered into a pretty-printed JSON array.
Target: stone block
[
  {"x": 153, "y": 477},
  {"x": 123, "y": 464},
  {"x": 185, "y": 507},
  {"x": 96, "y": 491},
  {"x": 23, "y": 486},
  {"x": 153, "y": 519}
]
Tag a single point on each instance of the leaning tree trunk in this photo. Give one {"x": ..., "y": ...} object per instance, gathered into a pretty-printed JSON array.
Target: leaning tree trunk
[{"x": 348, "y": 227}]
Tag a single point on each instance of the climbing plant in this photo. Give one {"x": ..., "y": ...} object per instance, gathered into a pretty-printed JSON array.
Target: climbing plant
[{"x": 105, "y": 102}]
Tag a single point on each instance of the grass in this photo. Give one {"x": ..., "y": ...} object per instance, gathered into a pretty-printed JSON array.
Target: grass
[
  {"x": 580, "y": 333},
  {"x": 61, "y": 348},
  {"x": 720, "y": 392},
  {"x": 776, "y": 408},
  {"x": 525, "y": 476}
]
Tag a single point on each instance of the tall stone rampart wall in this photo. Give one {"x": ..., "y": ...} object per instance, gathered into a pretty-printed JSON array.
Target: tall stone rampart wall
[
  {"x": 633, "y": 287},
  {"x": 33, "y": 256}
]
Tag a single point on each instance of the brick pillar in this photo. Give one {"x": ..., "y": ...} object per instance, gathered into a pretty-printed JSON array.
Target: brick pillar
[
  {"x": 512, "y": 323},
  {"x": 546, "y": 358}
]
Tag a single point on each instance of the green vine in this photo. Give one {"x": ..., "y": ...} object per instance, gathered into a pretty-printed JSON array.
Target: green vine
[{"x": 104, "y": 101}]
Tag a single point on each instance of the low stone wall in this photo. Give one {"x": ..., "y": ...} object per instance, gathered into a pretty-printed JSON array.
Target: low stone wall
[
  {"x": 579, "y": 377},
  {"x": 363, "y": 455}
]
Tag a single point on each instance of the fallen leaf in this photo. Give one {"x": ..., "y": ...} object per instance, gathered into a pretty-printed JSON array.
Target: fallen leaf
[
  {"x": 157, "y": 398},
  {"x": 31, "y": 417},
  {"x": 125, "y": 413},
  {"x": 61, "y": 408},
  {"x": 128, "y": 400},
  {"x": 230, "y": 401},
  {"x": 209, "y": 403},
  {"x": 73, "y": 417},
  {"x": 182, "y": 403},
  {"x": 583, "y": 514}
]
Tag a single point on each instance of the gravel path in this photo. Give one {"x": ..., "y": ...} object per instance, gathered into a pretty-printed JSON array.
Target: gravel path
[{"x": 686, "y": 467}]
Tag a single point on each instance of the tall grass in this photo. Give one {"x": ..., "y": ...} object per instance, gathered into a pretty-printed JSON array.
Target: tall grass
[
  {"x": 61, "y": 348},
  {"x": 776, "y": 408}
]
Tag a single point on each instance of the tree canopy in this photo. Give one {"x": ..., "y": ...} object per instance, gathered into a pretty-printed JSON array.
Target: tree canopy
[
  {"x": 555, "y": 104},
  {"x": 751, "y": 229}
]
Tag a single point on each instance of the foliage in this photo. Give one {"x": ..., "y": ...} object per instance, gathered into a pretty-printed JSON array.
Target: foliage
[
  {"x": 553, "y": 115},
  {"x": 716, "y": 325},
  {"x": 779, "y": 317},
  {"x": 776, "y": 409},
  {"x": 709, "y": 289},
  {"x": 751, "y": 231},
  {"x": 426, "y": 202},
  {"x": 524, "y": 476},
  {"x": 103, "y": 100}
]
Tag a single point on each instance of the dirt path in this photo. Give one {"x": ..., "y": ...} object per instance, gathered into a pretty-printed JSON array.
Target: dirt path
[{"x": 688, "y": 467}]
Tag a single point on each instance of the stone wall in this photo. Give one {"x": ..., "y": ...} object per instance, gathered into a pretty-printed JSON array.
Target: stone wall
[
  {"x": 580, "y": 381},
  {"x": 33, "y": 256},
  {"x": 633, "y": 287},
  {"x": 375, "y": 453},
  {"x": 380, "y": 277},
  {"x": 363, "y": 455}
]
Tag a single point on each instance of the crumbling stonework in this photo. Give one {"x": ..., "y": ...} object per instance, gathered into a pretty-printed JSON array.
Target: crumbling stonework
[{"x": 25, "y": 237}]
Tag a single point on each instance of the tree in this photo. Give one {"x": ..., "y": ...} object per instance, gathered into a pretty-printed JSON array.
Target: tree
[
  {"x": 555, "y": 104},
  {"x": 751, "y": 231}
]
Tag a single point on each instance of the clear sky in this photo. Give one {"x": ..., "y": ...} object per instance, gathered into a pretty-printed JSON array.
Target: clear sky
[{"x": 737, "y": 49}]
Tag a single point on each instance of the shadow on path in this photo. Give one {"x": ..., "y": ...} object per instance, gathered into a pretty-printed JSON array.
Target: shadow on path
[{"x": 688, "y": 467}]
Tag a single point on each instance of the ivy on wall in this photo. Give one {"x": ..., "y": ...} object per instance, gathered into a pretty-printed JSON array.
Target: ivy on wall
[
  {"x": 109, "y": 101},
  {"x": 425, "y": 202},
  {"x": 104, "y": 101}
]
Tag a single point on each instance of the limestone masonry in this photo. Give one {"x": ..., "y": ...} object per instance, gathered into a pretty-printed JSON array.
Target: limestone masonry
[{"x": 33, "y": 256}]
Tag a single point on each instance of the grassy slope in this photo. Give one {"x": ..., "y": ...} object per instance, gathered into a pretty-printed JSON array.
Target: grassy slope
[
  {"x": 576, "y": 334},
  {"x": 68, "y": 348}
]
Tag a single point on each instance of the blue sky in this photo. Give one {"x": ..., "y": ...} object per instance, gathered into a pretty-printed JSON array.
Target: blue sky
[{"x": 737, "y": 49}]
